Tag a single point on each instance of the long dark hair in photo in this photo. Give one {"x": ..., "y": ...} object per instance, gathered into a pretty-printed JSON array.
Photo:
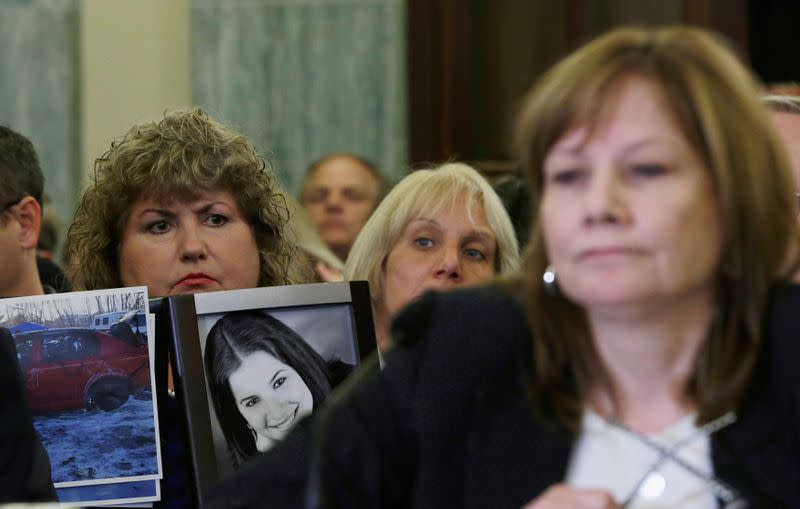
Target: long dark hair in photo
[{"x": 242, "y": 333}]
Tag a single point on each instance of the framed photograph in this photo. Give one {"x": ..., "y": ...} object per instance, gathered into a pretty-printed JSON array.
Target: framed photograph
[
  {"x": 87, "y": 361},
  {"x": 248, "y": 364}
]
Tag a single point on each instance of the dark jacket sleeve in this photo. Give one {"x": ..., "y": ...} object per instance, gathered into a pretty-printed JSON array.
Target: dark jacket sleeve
[
  {"x": 353, "y": 452},
  {"x": 302, "y": 470},
  {"x": 395, "y": 437},
  {"x": 24, "y": 464}
]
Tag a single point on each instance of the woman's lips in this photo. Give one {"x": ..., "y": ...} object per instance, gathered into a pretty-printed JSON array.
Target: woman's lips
[
  {"x": 604, "y": 253},
  {"x": 196, "y": 280}
]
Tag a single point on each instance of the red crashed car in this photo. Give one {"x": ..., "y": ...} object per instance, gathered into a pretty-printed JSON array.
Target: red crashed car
[{"x": 67, "y": 369}]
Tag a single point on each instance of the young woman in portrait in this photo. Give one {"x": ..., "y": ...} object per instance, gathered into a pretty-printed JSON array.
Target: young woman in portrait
[{"x": 263, "y": 378}]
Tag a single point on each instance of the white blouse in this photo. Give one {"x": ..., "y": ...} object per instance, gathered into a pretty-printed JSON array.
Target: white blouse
[{"x": 609, "y": 458}]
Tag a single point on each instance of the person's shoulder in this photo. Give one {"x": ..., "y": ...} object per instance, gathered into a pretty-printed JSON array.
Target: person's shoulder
[
  {"x": 486, "y": 321},
  {"x": 783, "y": 317},
  {"x": 782, "y": 334}
]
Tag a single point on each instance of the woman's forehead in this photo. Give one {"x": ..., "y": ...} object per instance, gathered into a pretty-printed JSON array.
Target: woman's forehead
[{"x": 182, "y": 196}]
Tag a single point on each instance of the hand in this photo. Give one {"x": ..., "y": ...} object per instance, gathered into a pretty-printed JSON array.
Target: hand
[{"x": 561, "y": 496}]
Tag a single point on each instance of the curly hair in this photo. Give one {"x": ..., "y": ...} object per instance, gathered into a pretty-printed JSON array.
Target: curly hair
[{"x": 179, "y": 157}]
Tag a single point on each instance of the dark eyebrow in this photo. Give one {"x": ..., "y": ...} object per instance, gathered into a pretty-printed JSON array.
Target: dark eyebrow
[
  {"x": 270, "y": 381},
  {"x": 276, "y": 374},
  {"x": 208, "y": 206},
  {"x": 160, "y": 212}
]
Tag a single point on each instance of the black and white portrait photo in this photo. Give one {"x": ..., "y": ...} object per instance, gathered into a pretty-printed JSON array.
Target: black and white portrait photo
[
  {"x": 263, "y": 376},
  {"x": 269, "y": 357}
]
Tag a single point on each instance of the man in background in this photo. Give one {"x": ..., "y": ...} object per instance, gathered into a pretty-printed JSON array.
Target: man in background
[
  {"x": 340, "y": 191},
  {"x": 20, "y": 215}
]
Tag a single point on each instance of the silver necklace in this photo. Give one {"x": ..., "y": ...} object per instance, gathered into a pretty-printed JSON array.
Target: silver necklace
[{"x": 729, "y": 496}]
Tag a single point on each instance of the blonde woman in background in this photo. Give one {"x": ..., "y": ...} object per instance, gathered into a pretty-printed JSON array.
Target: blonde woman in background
[{"x": 437, "y": 229}]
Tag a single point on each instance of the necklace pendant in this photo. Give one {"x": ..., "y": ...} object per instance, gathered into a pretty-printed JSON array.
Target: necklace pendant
[{"x": 653, "y": 486}]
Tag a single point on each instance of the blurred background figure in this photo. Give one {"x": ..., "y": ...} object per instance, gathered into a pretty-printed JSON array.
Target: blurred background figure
[
  {"x": 326, "y": 265},
  {"x": 50, "y": 272},
  {"x": 47, "y": 247},
  {"x": 516, "y": 197},
  {"x": 340, "y": 191},
  {"x": 437, "y": 229}
]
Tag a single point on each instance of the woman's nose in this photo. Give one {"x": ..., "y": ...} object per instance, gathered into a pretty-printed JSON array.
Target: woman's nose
[
  {"x": 192, "y": 245},
  {"x": 449, "y": 264},
  {"x": 603, "y": 201}
]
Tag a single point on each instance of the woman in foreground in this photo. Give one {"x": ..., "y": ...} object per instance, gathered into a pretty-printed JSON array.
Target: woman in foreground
[{"x": 646, "y": 355}]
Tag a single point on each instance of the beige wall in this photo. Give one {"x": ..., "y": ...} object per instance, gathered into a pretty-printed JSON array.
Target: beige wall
[{"x": 135, "y": 63}]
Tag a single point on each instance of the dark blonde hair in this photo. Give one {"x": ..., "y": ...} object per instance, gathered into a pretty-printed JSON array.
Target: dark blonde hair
[
  {"x": 176, "y": 158},
  {"x": 715, "y": 103}
]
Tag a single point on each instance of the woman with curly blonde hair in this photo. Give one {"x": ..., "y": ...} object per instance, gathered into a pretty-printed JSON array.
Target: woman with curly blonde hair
[{"x": 181, "y": 205}]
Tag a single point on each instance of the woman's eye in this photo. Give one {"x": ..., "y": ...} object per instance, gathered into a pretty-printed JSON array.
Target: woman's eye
[
  {"x": 474, "y": 254},
  {"x": 216, "y": 220},
  {"x": 277, "y": 383},
  {"x": 423, "y": 242},
  {"x": 566, "y": 177},
  {"x": 252, "y": 402},
  {"x": 158, "y": 227},
  {"x": 648, "y": 170}
]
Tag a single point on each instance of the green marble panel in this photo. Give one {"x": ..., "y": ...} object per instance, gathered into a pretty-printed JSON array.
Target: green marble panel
[
  {"x": 305, "y": 77},
  {"x": 39, "y": 89}
]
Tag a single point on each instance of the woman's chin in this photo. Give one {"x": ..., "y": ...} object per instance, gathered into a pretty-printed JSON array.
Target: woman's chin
[{"x": 263, "y": 443}]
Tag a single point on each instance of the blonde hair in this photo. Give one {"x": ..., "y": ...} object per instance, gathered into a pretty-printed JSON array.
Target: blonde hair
[
  {"x": 183, "y": 154},
  {"x": 783, "y": 103},
  {"x": 426, "y": 193},
  {"x": 715, "y": 103}
]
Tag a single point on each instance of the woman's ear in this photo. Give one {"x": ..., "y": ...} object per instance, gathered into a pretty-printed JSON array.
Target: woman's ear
[{"x": 28, "y": 213}]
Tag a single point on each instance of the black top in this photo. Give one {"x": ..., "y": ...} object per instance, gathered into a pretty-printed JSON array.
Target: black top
[
  {"x": 448, "y": 424},
  {"x": 24, "y": 464}
]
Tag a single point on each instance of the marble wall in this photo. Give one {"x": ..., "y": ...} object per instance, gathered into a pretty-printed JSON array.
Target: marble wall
[
  {"x": 39, "y": 88},
  {"x": 305, "y": 77}
]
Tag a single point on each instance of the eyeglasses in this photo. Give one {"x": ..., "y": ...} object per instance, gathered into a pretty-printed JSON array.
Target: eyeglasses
[{"x": 729, "y": 497}]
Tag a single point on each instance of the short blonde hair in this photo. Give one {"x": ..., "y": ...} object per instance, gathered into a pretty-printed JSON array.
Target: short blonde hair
[
  {"x": 425, "y": 193},
  {"x": 186, "y": 152}
]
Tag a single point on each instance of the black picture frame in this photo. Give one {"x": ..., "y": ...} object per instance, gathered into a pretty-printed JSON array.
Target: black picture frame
[{"x": 183, "y": 323}]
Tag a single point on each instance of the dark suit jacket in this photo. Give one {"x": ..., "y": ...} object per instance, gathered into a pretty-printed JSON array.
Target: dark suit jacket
[
  {"x": 24, "y": 465},
  {"x": 448, "y": 424}
]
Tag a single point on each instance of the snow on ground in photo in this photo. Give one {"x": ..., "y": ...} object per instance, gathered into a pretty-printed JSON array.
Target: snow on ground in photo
[{"x": 93, "y": 444}]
